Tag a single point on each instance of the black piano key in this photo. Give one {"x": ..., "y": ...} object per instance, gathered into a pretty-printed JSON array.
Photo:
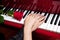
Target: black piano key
[
  {"x": 23, "y": 10},
  {"x": 45, "y": 14},
  {"x": 56, "y": 20},
  {"x": 5, "y": 9},
  {"x": 52, "y": 19},
  {"x": 41, "y": 12},
  {"x": 59, "y": 23},
  {"x": 37, "y": 12},
  {"x": 14, "y": 9},
  {"x": 25, "y": 14},
  {"x": 47, "y": 17},
  {"x": 18, "y": 10},
  {"x": 29, "y": 12},
  {"x": 34, "y": 11},
  {"x": 8, "y": 10}
]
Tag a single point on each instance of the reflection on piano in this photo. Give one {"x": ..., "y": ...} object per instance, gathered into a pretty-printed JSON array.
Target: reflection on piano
[{"x": 52, "y": 21}]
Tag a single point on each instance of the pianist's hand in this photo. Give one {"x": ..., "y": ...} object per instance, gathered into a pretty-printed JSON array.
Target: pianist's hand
[{"x": 33, "y": 21}]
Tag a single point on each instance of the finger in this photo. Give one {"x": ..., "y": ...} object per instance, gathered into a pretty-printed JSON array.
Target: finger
[
  {"x": 36, "y": 16},
  {"x": 41, "y": 18},
  {"x": 41, "y": 22},
  {"x": 27, "y": 17},
  {"x": 37, "y": 25}
]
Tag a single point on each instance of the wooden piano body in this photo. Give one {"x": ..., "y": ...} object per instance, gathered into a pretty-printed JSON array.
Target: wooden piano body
[{"x": 50, "y": 6}]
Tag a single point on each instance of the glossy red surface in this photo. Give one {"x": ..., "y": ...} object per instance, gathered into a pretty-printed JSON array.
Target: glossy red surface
[{"x": 36, "y": 5}]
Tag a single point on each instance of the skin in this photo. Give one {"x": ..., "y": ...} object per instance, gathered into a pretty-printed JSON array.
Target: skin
[{"x": 31, "y": 23}]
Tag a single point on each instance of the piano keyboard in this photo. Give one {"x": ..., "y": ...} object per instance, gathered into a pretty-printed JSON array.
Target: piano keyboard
[{"x": 52, "y": 21}]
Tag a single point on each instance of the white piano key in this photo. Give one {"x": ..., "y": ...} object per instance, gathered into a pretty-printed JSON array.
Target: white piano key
[
  {"x": 26, "y": 15},
  {"x": 49, "y": 25},
  {"x": 58, "y": 20},
  {"x": 43, "y": 14},
  {"x": 32, "y": 12},
  {"x": 48, "y": 22},
  {"x": 24, "y": 12},
  {"x": 39, "y": 13},
  {"x": 49, "y": 19},
  {"x": 58, "y": 30},
  {"x": 17, "y": 9},
  {"x": 22, "y": 20},
  {"x": 36, "y": 12},
  {"x": 46, "y": 16},
  {"x": 8, "y": 18},
  {"x": 43, "y": 26},
  {"x": 4, "y": 8},
  {"x": 52, "y": 26},
  {"x": 11, "y": 9},
  {"x": 54, "y": 19},
  {"x": 56, "y": 27}
]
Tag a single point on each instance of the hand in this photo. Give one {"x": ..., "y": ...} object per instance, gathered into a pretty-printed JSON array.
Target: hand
[{"x": 32, "y": 21}]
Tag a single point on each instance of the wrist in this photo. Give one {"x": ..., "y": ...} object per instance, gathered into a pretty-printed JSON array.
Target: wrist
[
  {"x": 26, "y": 29},
  {"x": 27, "y": 34}
]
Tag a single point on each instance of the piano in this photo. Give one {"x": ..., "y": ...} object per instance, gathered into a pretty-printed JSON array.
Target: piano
[{"x": 49, "y": 8}]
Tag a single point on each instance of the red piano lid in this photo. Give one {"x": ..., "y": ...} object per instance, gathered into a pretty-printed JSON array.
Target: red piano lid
[
  {"x": 18, "y": 15},
  {"x": 48, "y": 33}
]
